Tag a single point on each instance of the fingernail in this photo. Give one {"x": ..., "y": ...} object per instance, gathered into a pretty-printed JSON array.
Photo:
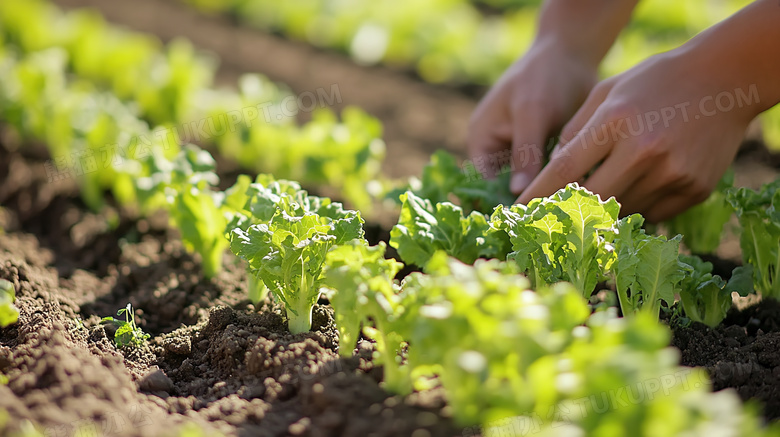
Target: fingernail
[{"x": 519, "y": 182}]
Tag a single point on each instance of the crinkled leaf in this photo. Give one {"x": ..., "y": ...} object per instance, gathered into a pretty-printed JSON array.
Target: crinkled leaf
[{"x": 423, "y": 229}]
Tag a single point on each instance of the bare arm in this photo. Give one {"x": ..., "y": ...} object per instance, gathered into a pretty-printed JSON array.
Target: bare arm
[{"x": 586, "y": 29}]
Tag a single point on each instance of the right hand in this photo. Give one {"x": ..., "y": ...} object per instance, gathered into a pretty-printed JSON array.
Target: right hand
[{"x": 531, "y": 101}]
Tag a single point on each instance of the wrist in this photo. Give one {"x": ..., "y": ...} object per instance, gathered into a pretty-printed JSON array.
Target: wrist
[
  {"x": 583, "y": 29},
  {"x": 554, "y": 46}
]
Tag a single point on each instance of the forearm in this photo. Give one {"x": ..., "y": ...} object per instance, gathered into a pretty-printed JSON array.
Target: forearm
[
  {"x": 585, "y": 29},
  {"x": 742, "y": 52}
]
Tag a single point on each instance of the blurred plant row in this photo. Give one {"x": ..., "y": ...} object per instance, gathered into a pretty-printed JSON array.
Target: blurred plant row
[
  {"x": 128, "y": 90},
  {"x": 452, "y": 41}
]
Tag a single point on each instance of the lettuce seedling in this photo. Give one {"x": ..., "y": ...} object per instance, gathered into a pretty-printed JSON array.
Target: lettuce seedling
[
  {"x": 423, "y": 229},
  {"x": 195, "y": 207},
  {"x": 362, "y": 291},
  {"x": 706, "y": 298},
  {"x": 288, "y": 252},
  {"x": 9, "y": 314},
  {"x": 356, "y": 275},
  {"x": 481, "y": 329},
  {"x": 702, "y": 225},
  {"x": 442, "y": 178},
  {"x": 560, "y": 238},
  {"x": 127, "y": 333},
  {"x": 759, "y": 218},
  {"x": 261, "y": 200},
  {"x": 646, "y": 269}
]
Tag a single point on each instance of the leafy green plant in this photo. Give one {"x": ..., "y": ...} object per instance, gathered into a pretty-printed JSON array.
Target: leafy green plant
[
  {"x": 702, "y": 225},
  {"x": 560, "y": 238},
  {"x": 195, "y": 208},
  {"x": 444, "y": 181},
  {"x": 9, "y": 314},
  {"x": 759, "y": 219},
  {"x": 706, "y": 298},
  {"x": 288, "y": 251},
  {"x": 127, "y": 333},
  {"x": 363, "y": 293},
  {"x": 505, "y": 354},
  {"x": 359, "y": 280},
  {"x": 260, "y": 205},
  {"x": 646, "y": 270},
  {"x": 423, "y": 229}
]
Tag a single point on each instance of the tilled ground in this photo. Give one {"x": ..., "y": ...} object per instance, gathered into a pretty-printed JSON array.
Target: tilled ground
[{"x": 214, "y": 360}]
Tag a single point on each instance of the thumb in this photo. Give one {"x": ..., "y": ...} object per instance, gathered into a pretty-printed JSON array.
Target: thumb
[{"x": 527, "y": 154}]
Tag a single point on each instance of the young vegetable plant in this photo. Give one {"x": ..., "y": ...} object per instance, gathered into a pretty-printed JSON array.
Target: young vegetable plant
[
  {"x": 288, "y": 251},
  {"x": 362, "y": 291},
  {"x": 442, "y": 179},
  {"x": 759, "y": 218},
  {"x": 9, "y": 314},
  {"x": 127, "y": 333},
  {"x": 560, "y": 238},
  {"x": 423, "y": 229},
  {"x": 259, "y": 207},
  {"x": 646, "y": 270},
  {"x": 357, "y": 277},
  {"x": 195, "y": 208},
  {"x": 706, "y": 298}
]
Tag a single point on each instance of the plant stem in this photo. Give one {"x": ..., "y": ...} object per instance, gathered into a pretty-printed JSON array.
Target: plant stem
[
  {"x": 301, "y": 322},
  {"x": 622, "y": 293},
  {"x": 257, "y": 289},
  {"x": 211, "y": 260}
]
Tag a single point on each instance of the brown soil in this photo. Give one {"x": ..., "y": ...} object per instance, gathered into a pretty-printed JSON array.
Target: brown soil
[
  {"x": 742, "y": 353},
  {"x": 214, "y": 360}
]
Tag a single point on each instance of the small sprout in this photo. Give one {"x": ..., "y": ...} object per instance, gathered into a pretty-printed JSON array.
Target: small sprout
[
  {"x": 9, "y": 314},
  {"x": 127, "y": 333}
]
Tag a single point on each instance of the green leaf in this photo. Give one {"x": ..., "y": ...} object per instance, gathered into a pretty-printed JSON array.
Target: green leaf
[
  {"x": 9, "y": 314},
  {"x": 741, "y": 281},
  {"x": 423, "y": 229},
  {"x": 629, "y": 234},
  {"x": 443, "y": 178},
  {"x": 288, "y": 252},
  {"x": 658, "y": 271},
  {"x": 759, "y": 218},
  {"x": 354, "y": 274}
]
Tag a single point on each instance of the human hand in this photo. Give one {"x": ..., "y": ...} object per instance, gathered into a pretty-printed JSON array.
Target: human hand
[
  {"x": 663, "y": 132},
  {"x": 531, "y": 101}
]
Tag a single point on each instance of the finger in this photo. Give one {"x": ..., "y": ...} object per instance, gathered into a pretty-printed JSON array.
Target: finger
[
  {"x": 630, "y": 203},
  {"x": 489, "y": 132},
  {"x": 670, "y": 206},
  {"x": 619, "y": 172},
  {"x": 585, "y": 112},
  {"x": 485, "y": 143},
  {"x": 530, "y": 133},
  {"x": 570, "y": 163}
]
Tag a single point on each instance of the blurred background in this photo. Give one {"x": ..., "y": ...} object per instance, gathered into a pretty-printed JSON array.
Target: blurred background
[{"x": 417, "y": 66}]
